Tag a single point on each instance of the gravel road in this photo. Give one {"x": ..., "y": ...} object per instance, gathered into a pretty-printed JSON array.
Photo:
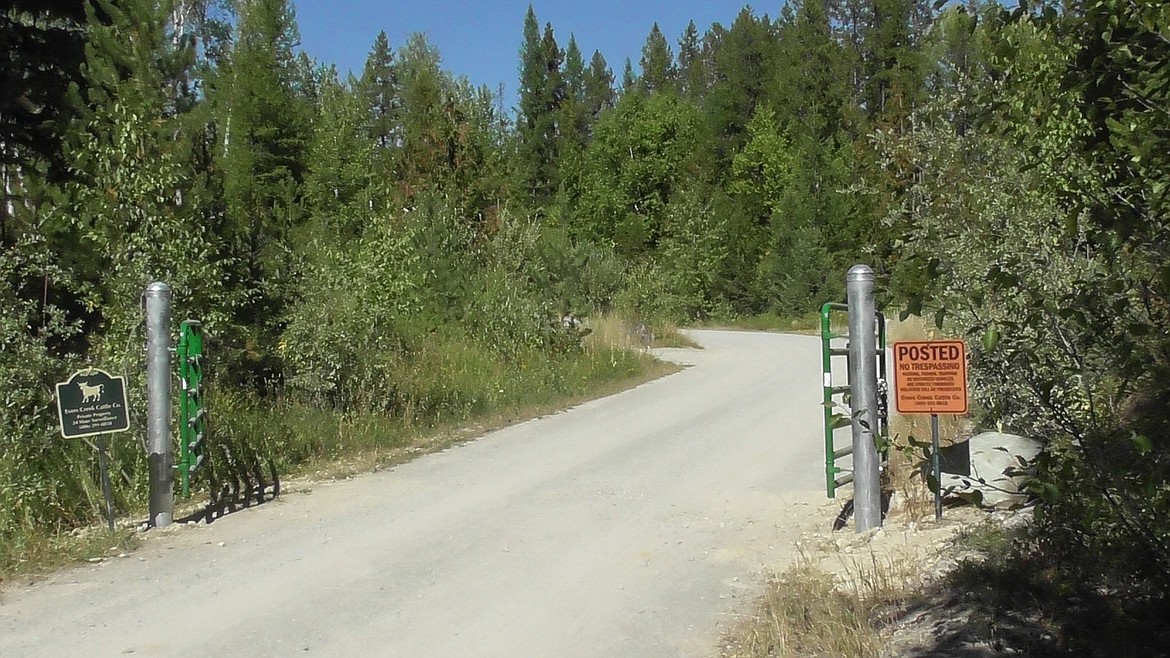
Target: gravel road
[{"x": 634, "y": 525}]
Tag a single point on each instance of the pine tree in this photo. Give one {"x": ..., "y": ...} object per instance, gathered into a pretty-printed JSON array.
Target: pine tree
[
  {"x": 850, "y": 18},
  {"x": 692, "y": 74},
  {"x": 629, "y": 80},
  {"x": 813, "y": 83},
  {"x": 264, "y": 135},
  {"x": 542, "y": 91},
  {"x": 43, "y": 48},
  {"x": 575, "y": 117},
  {"x": 658, "y": 73},
  {"x": 424, "y": 123},
  {"x": 379, "y": 84},
  {"x": 129, "y": 195},
  {"x": 893, "y": 62},
  {"x": 745, "y": 65},
  {"x": 574, "y": 74},
  {"x": 341, "y": 177},
  {"x": 599, "y": 92}
]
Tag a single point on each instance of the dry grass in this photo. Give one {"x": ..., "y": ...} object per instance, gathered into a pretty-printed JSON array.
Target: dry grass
[
  {"x": 806, "y": 611},
  {"x": 615, "y": 331},
  {"x": 802, "y": 614}
]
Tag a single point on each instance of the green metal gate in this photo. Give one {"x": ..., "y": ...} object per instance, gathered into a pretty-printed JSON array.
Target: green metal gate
[
  {"x": 192, "y": 410},
  {"x": 835, "y": 476}
]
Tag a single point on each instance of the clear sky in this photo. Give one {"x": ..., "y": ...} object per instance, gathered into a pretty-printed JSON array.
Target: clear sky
[{"x": 481, "y": 39}]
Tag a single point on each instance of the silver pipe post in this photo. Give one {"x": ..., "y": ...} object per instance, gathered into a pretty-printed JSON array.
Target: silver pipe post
[
  {"x": 160, "y": 454},
  {"x": 867, "y": 499}
]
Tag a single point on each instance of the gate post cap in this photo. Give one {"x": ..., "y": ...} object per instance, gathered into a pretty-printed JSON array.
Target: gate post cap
[{"x": 860, "y": 272}]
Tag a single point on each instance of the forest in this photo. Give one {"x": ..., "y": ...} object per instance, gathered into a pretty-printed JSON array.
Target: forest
[{"x": 398, "y": 244}]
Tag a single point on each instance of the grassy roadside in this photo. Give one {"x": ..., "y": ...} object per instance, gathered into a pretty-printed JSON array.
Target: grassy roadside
[{"x": 311, "y": 442}]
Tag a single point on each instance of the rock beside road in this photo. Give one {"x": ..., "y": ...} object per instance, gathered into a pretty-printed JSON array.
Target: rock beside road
[{"x": 1000, "y": 465}]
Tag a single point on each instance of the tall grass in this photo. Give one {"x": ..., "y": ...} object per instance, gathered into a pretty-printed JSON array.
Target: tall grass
[{"x": 449, "y": 388}]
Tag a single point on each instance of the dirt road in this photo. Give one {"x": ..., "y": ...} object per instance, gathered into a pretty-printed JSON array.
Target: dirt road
[{"x": 634, "y": 525}]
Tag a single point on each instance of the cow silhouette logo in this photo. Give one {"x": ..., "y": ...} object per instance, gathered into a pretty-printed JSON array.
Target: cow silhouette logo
[
  {"x": 91, "y": 392},
  {"x": 92, "y": 402}
]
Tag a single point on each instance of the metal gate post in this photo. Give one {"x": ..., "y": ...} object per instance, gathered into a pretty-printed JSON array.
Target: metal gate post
[
  {"x": 863, "y": 397},
  {"x": 160, "y": 455}
]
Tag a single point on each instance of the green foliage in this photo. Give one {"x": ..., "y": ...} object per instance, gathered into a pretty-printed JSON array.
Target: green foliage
[
  {"x": 380, "y": 87},
  {"x": 341, "y": 183},
  {"x": 892, "y": 57},
  {"x": 745, "y": 66},
  {"x": 598, "y": 92},
  {"x": 44, "y": 47},
  {"x": 1005, "y": 234},
  {"x": 694, "y": 248},
  {"x": 638, "y": 156},
  {"x": 32, "y": 458}
]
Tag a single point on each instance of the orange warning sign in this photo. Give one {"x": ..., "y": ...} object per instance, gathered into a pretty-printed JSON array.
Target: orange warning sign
[{"x": 930, "y": 377}]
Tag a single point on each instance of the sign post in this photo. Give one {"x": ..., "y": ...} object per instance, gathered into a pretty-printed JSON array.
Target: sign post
[
  {"x": 930, "y": 377},
  {"x": 93, "y": 403}
]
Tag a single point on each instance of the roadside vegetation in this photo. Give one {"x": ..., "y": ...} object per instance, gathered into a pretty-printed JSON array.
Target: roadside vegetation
[{"x": 387, "y": 251}]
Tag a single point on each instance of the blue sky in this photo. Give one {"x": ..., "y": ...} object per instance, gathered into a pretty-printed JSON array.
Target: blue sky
[{"x": 481, "y": 39}]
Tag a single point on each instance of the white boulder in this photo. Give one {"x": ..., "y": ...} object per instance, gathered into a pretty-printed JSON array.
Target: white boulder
[{"x": 1000, "y": 465}]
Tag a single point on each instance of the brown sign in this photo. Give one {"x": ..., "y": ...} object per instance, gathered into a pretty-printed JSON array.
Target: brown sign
[{"x": 930, "y": 377}]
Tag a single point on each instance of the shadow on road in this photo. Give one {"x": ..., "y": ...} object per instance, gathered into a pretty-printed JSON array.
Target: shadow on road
[{"x": 236, "y": 480}]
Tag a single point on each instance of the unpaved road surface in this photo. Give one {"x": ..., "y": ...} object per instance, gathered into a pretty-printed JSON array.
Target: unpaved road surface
[{"x": 635, "y": 525}]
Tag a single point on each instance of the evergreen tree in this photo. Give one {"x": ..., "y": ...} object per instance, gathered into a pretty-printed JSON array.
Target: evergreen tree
[
  {"x": 745, "y": 65},
  {"x": 127, "y": 198},
  {"x": 813, "y": 82},
  {"x": 425, "y": 157},
  {"x": 629, "y": 80},
  {"x": 380, "y": 85},
  {"x": 574, "y": 74},
  {"x": 573, "y": 126},
  {"x": 691, "y": 69},
  {"x": 599, "y": 92},
  {"x": 341, "y": 177},
  {"x": 658, "y": 73},
  {"x": 541, "y": 94},
  {"x": 850, "y": 19},
  {"x": 575, "y": 117},
  {"x": 893, "y": 64},
  {"x": 43, "y": 49},
  {"x": 264, "y": 134}
]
